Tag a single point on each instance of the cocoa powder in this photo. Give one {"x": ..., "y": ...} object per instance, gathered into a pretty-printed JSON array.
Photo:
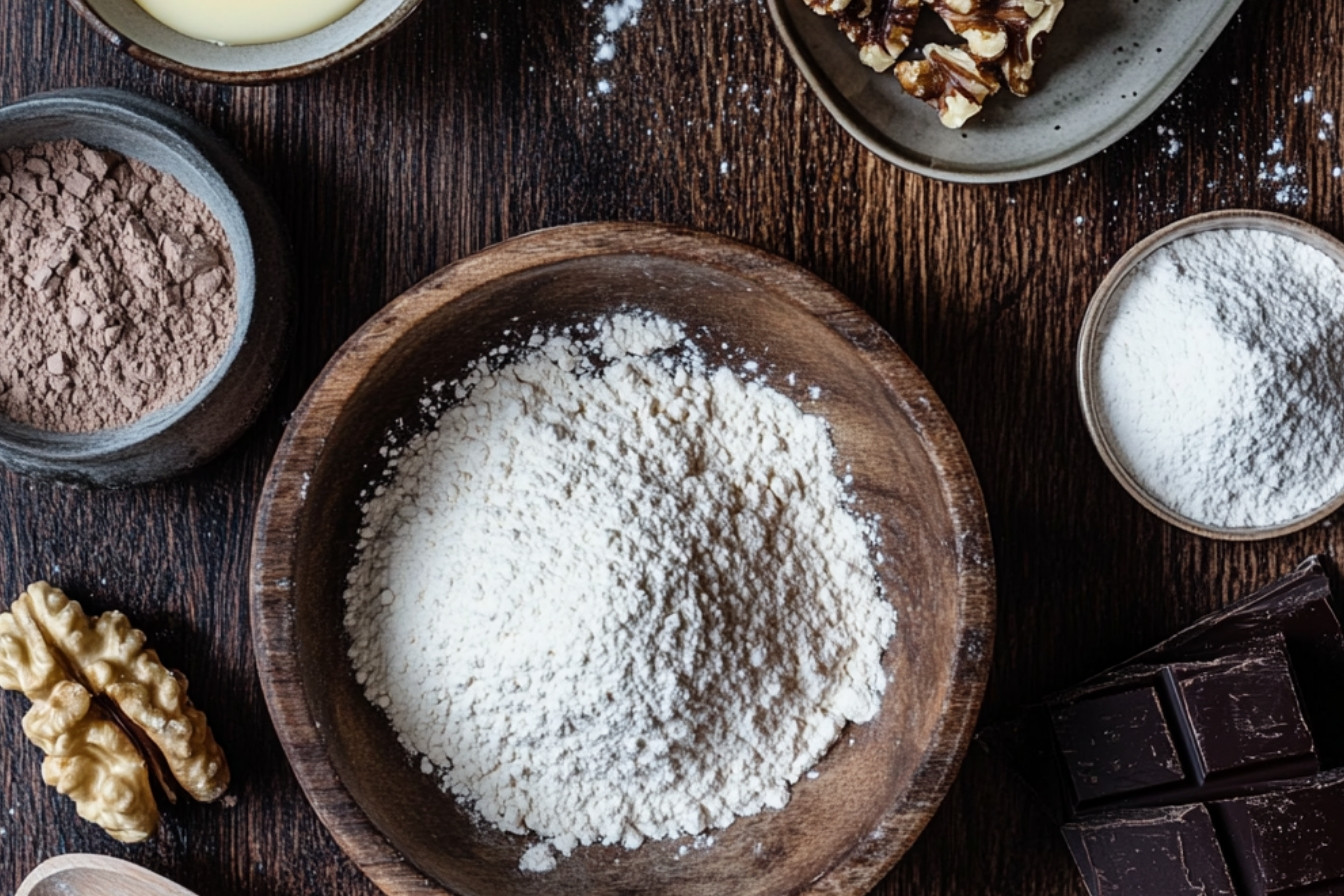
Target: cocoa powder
[{"x": 117, "y": 292}]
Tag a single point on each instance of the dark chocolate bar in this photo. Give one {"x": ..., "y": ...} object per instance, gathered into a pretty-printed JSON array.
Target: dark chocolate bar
[
  {"x": 1183, "y": 732},
  {"x": 1288, "y": 841},
  {"x": 1151, "y": 852},
  {"x": 1194, "y": 767},
  {"x": 1195, "y": 718}
]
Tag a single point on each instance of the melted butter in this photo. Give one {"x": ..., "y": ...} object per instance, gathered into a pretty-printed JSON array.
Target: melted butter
[{"x": 247, "y": 21}]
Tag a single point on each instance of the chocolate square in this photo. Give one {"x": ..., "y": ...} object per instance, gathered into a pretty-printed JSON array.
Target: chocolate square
[
  {"x": 1116, "y": 744},
  {"x": 1242, "y": 711},
  {"x": 1288, "y": 840},
  {"x": 1299, "y": 607},
  {"x": 1150, "y": 852}
]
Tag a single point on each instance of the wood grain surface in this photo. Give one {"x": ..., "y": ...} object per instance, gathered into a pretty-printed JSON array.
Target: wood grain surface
[{"x": 481, "y": 120}]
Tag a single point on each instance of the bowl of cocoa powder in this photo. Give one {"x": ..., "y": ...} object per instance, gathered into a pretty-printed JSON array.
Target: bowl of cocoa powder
[{"x": 144, "y": 290}]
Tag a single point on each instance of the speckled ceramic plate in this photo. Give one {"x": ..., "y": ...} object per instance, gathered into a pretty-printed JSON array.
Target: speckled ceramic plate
[{"x": 1108, "y": 65}]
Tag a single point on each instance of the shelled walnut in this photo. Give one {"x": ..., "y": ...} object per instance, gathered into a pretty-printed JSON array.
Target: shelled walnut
[
  {"x": 106, "y": 712},
  {"x": 1002, "y": 41},
  {"x": 1008, "y": 33},
  {"x": 950, "y": 80},
  {"x": 879, "y": 28}
]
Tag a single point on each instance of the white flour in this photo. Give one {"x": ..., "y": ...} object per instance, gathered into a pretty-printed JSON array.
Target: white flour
[
  {"x": 1222, "y": 378},
  {"x": 616, "y": 594},
  {"x": 615, "y": 16}
]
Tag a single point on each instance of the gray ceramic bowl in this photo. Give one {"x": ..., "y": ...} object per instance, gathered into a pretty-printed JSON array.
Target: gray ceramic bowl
[
  {"x": 1093, "y": 335},
  {"x": 174, "y": 439},
  {"x": 143, "y": 37},
  {"x": 1088, "y": 95}
]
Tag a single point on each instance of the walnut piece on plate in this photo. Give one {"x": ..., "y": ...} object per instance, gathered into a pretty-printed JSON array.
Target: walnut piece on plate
[
  {"x": 879, "y": 28},
  {"x": 950, "y": 80},
  {"x": 106, "y": 711},
  {"x": 1008, "y": 32},
  {"x": 1003, "y": 39}
]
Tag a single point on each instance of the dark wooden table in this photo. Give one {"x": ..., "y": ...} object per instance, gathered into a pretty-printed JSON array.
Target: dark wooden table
[{"x": 480, "y": 120}]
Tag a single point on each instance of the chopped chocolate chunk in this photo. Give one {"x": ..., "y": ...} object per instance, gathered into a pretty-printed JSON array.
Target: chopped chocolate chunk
[
  {"x": 1116, "y": 744},
  {"x": 1240, "y": 712},
  {"x": 1150, "y": 852},
  {"x": 1289, "y": 840}
]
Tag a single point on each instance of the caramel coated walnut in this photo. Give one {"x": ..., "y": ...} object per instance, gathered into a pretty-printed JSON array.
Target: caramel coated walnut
[
  {"x": 137, "y": 715},
  {"x": 950, "y": 80},
  {"x": 1007, "y": 32},
  {"x": 879, "y": 28}
]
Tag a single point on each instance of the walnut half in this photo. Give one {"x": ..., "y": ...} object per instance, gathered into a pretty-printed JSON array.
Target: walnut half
[
  {"x": 106, "y": 712},
  {"x": 879, "y": 28},
  {"x": 950, "y": 80},
  {"x": 1007, "y": 32}
]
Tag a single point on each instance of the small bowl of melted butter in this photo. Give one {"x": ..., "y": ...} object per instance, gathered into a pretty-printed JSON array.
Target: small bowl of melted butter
[{"x": 244, "y": 41}]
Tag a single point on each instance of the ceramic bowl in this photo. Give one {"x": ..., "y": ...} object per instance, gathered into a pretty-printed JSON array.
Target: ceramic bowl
[
  {"x": 174, "y": 439},
  {"x": 1093, "y": 333},
  {"x": 1107, "y": 66},
  {"x": 878, "y": 786},
  {"x": 141, "y": 36}
]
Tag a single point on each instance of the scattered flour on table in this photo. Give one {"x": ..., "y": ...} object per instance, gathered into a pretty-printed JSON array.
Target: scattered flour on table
[
  {"x": 616, "y": 593},
  {"x": 1221, "y": 378},
  {"x": 615, "y": 16}
]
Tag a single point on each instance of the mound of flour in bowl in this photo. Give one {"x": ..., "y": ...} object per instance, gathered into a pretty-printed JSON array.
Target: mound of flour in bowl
[{"x": 616, "y": 593}]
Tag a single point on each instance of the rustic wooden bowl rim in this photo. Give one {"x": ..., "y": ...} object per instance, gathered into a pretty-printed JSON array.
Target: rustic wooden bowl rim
[
  {"x": 1091, "y": 335},
  {"x": 275, "y": 532}
]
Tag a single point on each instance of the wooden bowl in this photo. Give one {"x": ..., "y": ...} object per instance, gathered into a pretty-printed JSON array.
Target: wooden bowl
[{"x": 874, "y": 791}]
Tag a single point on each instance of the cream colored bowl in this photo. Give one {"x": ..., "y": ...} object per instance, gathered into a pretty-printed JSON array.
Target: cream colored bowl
[{"x": 143, "y": 37}]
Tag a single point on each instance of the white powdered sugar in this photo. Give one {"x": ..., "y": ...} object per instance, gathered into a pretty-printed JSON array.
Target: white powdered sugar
[
  {"x": 1221, "y": 379},
  {"x": 615, "y": 16},
  {"x": 616, "y": 593}
]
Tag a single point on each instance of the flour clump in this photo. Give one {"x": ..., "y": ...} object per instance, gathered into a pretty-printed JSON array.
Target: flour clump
[{"x": 616, "y": 593}]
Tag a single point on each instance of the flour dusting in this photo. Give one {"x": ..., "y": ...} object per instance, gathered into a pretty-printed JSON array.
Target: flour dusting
[{"x": 615, "y": 16}]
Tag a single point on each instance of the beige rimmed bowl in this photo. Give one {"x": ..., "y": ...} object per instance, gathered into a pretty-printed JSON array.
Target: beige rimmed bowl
[
  {"x": 877, "y": 787},
  {"x": 1093, "y": 334},
  {"x": 141, "y": 36}
]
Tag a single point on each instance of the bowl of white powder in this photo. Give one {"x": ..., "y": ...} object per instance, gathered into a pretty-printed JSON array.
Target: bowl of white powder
[
  {"x": 1211, "y": 377},
  {"x": 622, "y": 558}
]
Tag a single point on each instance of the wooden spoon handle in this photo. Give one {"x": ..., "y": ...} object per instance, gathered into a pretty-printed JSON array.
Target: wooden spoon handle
[{"x": 83, "y": 874}]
